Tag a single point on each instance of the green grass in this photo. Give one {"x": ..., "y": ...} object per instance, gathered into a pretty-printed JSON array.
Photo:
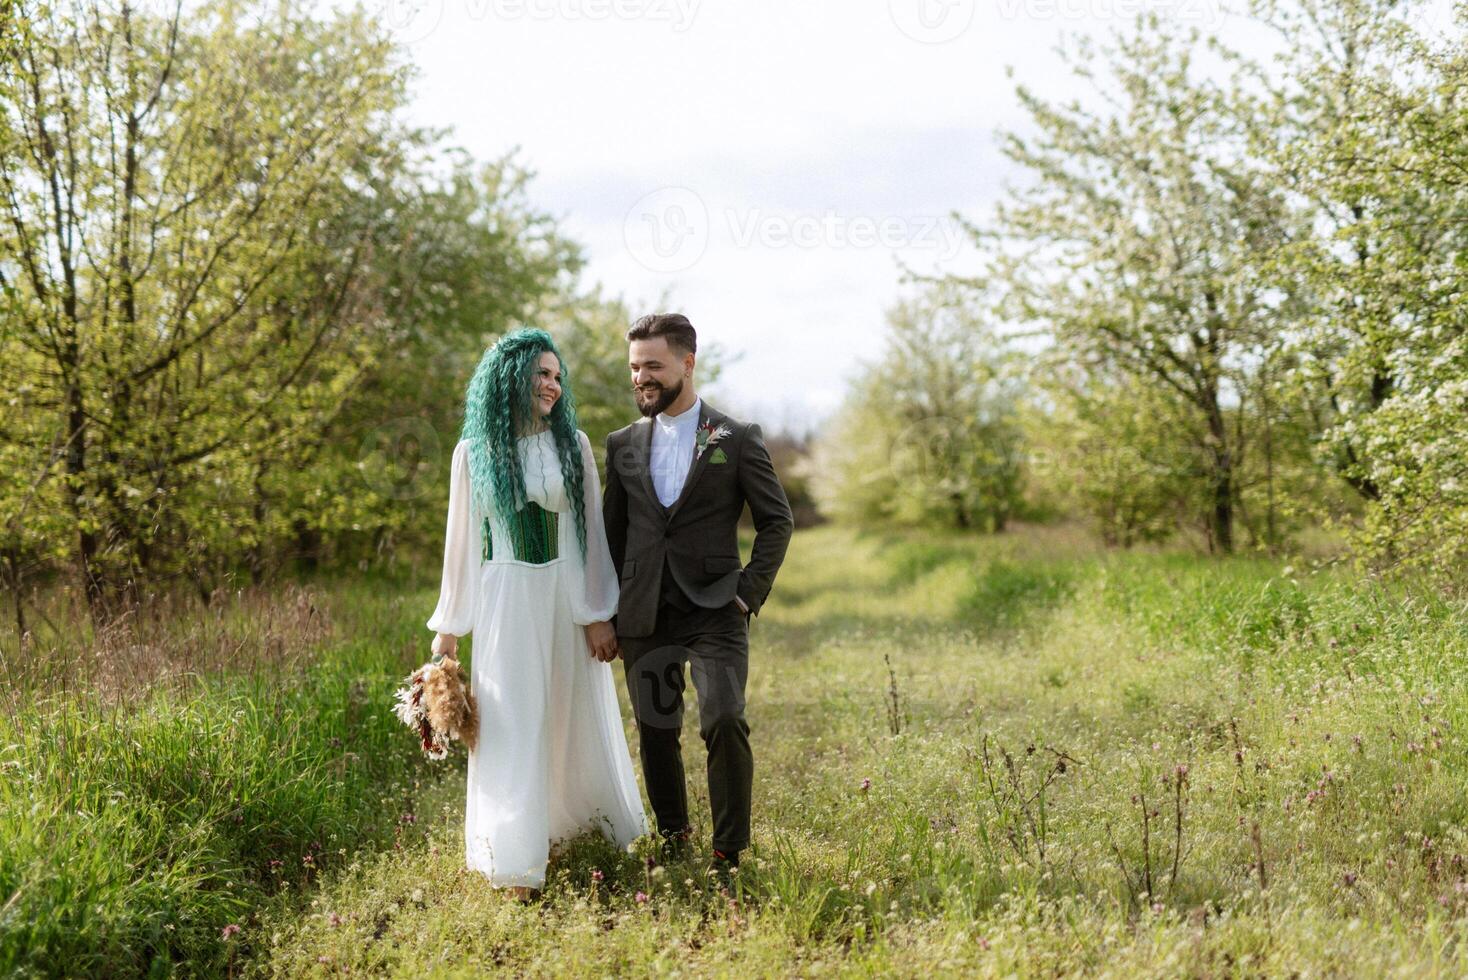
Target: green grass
[
  {"x": 1107, "y": 763},
  {"x": 1127, "y": 764},
  {"x": 134, "y": 829}
]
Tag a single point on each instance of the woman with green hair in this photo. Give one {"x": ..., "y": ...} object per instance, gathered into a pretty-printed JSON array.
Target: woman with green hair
[{"x": 527, "y": 570}]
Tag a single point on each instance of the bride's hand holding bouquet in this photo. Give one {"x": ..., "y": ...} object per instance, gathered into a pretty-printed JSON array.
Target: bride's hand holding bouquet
[{"x": 436, "y": 701}]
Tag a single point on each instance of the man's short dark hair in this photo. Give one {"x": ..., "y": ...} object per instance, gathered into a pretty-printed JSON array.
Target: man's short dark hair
[{"x": 674, "y": 326}]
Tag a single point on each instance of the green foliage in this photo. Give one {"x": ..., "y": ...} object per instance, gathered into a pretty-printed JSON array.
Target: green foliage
[
  {"x": 180, "y": 274},
  {"x": 1372, "y": 141},
  {"x": 1006, "y": 595},
  {"x": 132, "y": 833},
  {"x": 1133, "y": 250},
  {"x": 929, "y": 434},
  {"x": 1100, "y": 791},
  {"x": 244, "y": 303},
  {"x": 1243, "y": 277},
  {"x": 1119, "y": 453}
]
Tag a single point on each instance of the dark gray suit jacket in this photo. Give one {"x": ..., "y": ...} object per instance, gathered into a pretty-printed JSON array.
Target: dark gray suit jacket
[{"x": 698, "y": 535}]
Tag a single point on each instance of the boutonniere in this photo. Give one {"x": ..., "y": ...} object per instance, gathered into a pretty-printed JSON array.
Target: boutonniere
[{"x": 709, "y": 435}]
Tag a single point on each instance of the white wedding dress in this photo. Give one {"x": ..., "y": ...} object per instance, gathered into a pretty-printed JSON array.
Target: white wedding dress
[{"x": 551, "y": 759}]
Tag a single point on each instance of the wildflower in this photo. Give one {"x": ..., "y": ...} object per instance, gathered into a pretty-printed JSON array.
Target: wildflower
[
  {"x": 597, "y": 876},
  {"x": 866, "y": 784},
  {"x": 334, "y": 919},
  {"x": 640, "y": 898},
  {"x": 228, "y": 931}
]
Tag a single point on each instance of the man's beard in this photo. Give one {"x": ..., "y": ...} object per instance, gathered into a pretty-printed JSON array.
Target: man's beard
[{"x": 666, "y": 397}]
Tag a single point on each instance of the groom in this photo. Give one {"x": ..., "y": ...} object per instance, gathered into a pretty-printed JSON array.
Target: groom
[{"x": 677, "y": 482}]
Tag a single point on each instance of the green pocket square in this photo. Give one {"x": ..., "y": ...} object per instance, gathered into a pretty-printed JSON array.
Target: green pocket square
[{"x": 718, "y": 456}]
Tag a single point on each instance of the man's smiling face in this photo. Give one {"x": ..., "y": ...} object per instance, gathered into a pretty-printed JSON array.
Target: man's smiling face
[{"x": 658, "y": 373}]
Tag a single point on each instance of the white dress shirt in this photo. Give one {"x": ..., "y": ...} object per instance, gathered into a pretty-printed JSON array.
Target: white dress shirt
[{"x": 673, "y": 440}]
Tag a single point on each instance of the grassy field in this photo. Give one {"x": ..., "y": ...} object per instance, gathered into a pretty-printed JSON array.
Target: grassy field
[
  {"x": 1009, "y": 756},
  {"x": 1006, "y": 756},
  {"x": 166, "y": 778}
]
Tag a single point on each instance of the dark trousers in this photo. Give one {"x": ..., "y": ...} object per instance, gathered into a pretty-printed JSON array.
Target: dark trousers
[{"x": 715, "y": 644}]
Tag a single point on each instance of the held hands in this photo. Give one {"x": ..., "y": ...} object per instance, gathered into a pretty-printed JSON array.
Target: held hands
[{"x": 602, "y": 638}]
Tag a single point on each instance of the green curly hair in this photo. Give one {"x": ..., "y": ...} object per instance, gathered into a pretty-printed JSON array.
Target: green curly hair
[{"x": 497, "y": 407}]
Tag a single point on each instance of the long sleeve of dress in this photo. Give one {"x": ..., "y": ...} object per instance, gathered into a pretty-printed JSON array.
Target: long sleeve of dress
[
  {"x": 462, "y": 551},
  {"x": 594, "y": 595}
]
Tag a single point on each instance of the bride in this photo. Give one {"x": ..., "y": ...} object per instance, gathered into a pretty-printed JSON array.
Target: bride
[{"x": 527, "y": 569}]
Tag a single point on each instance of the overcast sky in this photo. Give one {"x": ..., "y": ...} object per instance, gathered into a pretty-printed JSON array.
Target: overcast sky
[{"x": 764, "y": 162}]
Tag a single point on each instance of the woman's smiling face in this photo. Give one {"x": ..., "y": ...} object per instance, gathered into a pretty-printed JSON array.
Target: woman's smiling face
[{"x": 547, "y": 389}]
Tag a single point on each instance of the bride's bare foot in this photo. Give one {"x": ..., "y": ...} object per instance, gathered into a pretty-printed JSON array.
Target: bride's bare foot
[{"x": 523, "y": 893}]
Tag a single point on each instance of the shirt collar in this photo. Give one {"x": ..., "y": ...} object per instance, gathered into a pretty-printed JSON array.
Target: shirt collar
[{"x": 688, "y": 418}]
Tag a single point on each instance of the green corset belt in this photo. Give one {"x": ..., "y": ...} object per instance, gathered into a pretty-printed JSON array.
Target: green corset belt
[{"x": 539, "y": 538}]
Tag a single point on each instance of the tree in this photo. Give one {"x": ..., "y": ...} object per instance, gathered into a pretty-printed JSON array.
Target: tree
[
  {"x": 928, "y": 434},
  {"x": 1134, "y": 247},
  {"x": 460, "y": 255},
  {"x": 1365, "y": 120},
  {"x": 1118, "y": 452}
]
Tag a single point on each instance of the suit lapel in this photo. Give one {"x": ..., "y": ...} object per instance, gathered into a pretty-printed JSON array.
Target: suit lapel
[
  {"x": 642, "y": 434},
  {"x": 695, "y": 470}
]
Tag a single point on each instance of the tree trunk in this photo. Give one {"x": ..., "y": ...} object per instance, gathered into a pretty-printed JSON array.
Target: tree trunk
[{"x": 13, "y": 577}]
